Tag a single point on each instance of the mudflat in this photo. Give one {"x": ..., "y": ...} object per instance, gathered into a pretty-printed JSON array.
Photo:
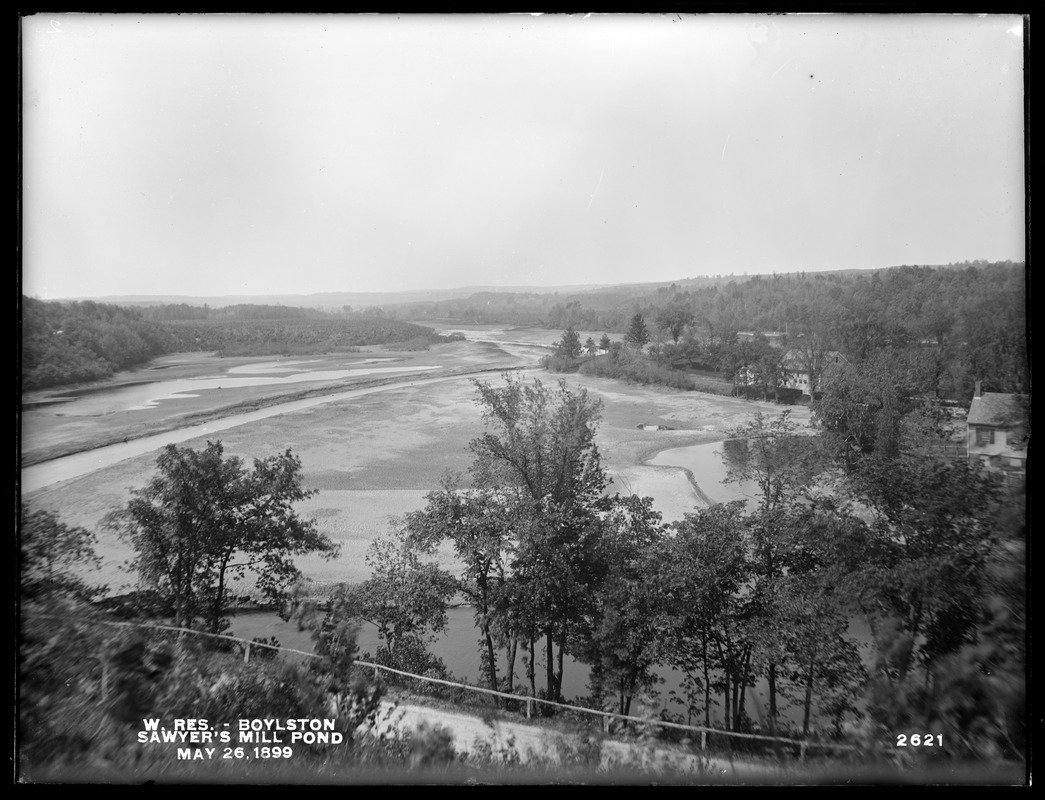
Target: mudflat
[{"x": 373, "y": 457}]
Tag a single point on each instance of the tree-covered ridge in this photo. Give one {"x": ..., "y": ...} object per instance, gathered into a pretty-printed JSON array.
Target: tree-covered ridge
[
  {"x": 947, "y": 327},
  {"x": 248, "y": 336},
  {"x": 907, "y": 302},
  {"x": 65, "y": 343},
  {"x": 82, "y": 341}
]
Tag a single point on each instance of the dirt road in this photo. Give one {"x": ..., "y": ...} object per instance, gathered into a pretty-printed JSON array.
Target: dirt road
[{"x": 517, "y": 742}]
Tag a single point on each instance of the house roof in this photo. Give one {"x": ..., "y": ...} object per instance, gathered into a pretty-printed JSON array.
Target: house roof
[
  {"x": 794, "y": 359},
  {"x": 996, "y": 408}
]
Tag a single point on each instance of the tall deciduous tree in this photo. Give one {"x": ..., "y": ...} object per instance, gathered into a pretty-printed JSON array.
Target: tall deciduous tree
[
  {"x": 540, "y": 444},
  {"x": 484, "y": 527},
  {"x": 51, "y": 555},
  {"x": 675, "y": 319},
  {"x": 702, "y": 569},
  {"x": 815, "y": 333},
  {"x": 773, "y": 453},
  {"x": 404, "y": 598},
  {"x": 623, "y": 638},
  {"x": 205, "y": 520},
  {"x": 860, "y": 411}
]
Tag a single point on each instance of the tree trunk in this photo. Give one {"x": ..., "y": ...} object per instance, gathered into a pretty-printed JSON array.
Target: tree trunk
[
  {"x": 531, "y": 668},
  {"x": 727, "y": 686},
  {"x": 707, "y": 685},
  {"x": 809, "y": 694},
  {"x": 559, "y": 667},
  {"x": 772, "y": 699},
  {"x": 735, "y": 708},
  {"x": 216, "y": 607},
  {"x": 510, "y": 667},
  {"x": 630, "y": 690},
  {"x": 491, "y": 656},
  {"x": 743, "y": 688},
  {"x": 549, "y": 653}
]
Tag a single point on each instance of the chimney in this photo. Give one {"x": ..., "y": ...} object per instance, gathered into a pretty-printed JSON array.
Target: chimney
[{"x": 978, "y": 393}]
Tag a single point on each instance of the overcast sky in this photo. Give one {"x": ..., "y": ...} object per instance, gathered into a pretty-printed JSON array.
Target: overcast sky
[{"x": 215, "y": 155}]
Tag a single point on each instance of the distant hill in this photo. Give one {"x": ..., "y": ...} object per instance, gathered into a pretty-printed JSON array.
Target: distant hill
[
  {"x": 331, "y": 300},
  {"x": 603, "y": 295}
]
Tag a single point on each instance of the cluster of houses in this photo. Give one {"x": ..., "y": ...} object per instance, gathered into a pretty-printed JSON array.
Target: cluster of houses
[{"x": 997, "y": 432}]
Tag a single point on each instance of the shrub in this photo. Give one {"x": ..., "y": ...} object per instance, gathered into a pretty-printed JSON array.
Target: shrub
[
  {"x": 557, "y": 363},
  {"x": 634, "y": 368}
]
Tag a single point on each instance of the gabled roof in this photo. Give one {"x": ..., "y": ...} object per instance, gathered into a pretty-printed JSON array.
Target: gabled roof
[
  {"x": 997, "y": 409},
  {"x": 794, "y": 359}
]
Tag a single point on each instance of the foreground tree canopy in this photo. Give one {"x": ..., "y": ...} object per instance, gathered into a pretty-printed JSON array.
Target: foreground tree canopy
[
  {"x": 745, "y": 601},
  {"x": 206, "y": 521},
  {"x": 923, "y": 549}
]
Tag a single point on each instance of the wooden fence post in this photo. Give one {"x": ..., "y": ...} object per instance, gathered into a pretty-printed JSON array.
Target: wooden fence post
[
  {"x": 606, "y": 725},
  {"x": 246, "y": 654},
  {"x": 529, "y": 708},
  {"x": 703, "y": 740}
]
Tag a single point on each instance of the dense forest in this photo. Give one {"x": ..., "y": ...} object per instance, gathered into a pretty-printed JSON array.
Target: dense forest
[
  {"x": 938, "y": 331},
  {"x": 960, "y": 323},
  {"x": 905, "y": 301},
  {"x": 65, "y": 343}
]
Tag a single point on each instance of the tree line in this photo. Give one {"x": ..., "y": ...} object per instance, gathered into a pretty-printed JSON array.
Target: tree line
[
  {"x": 967, "y": 321},
  {"x": 927, "y": 551},
  {"x": 65, "y": 343}
]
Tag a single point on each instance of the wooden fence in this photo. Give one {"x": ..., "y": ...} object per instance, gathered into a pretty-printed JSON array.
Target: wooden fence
[{"x": 607, "y": 717}]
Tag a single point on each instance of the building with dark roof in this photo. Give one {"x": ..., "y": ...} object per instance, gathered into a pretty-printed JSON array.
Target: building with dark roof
[{"x": 998, "y": 433}]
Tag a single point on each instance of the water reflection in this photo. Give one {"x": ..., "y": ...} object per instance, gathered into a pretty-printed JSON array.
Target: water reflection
[{"x": 707, "y": 464}]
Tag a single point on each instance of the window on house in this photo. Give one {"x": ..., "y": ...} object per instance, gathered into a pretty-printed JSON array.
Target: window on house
[{"x": 984, "y": 436}]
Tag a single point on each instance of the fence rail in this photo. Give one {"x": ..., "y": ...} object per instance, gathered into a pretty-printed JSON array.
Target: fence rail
[{"x": 607, "y": 716}]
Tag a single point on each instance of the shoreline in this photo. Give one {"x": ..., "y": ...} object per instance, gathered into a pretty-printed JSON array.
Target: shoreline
[{"x": 56, "y": 452}]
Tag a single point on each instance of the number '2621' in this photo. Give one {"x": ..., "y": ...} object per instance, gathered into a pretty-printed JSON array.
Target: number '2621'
[{"x": 917, "y": 740}]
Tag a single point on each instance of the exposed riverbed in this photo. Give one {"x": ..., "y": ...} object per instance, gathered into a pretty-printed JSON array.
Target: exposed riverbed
[{"x": 371, "y": 451}]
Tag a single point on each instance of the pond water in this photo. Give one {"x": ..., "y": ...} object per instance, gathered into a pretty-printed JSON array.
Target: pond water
[
  {"x": 458, "y": 645},
  {"x": 705, "y": 463}
]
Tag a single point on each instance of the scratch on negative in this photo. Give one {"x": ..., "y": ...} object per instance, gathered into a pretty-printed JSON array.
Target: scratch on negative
[
  {"x": 723, "y": 156},
  {"x": 592, "y": 200}
]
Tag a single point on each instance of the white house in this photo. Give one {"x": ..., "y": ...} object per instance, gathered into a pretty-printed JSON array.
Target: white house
[
  {"x": 998, "y": 433},
  {"x": 797, "y": 367}
]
